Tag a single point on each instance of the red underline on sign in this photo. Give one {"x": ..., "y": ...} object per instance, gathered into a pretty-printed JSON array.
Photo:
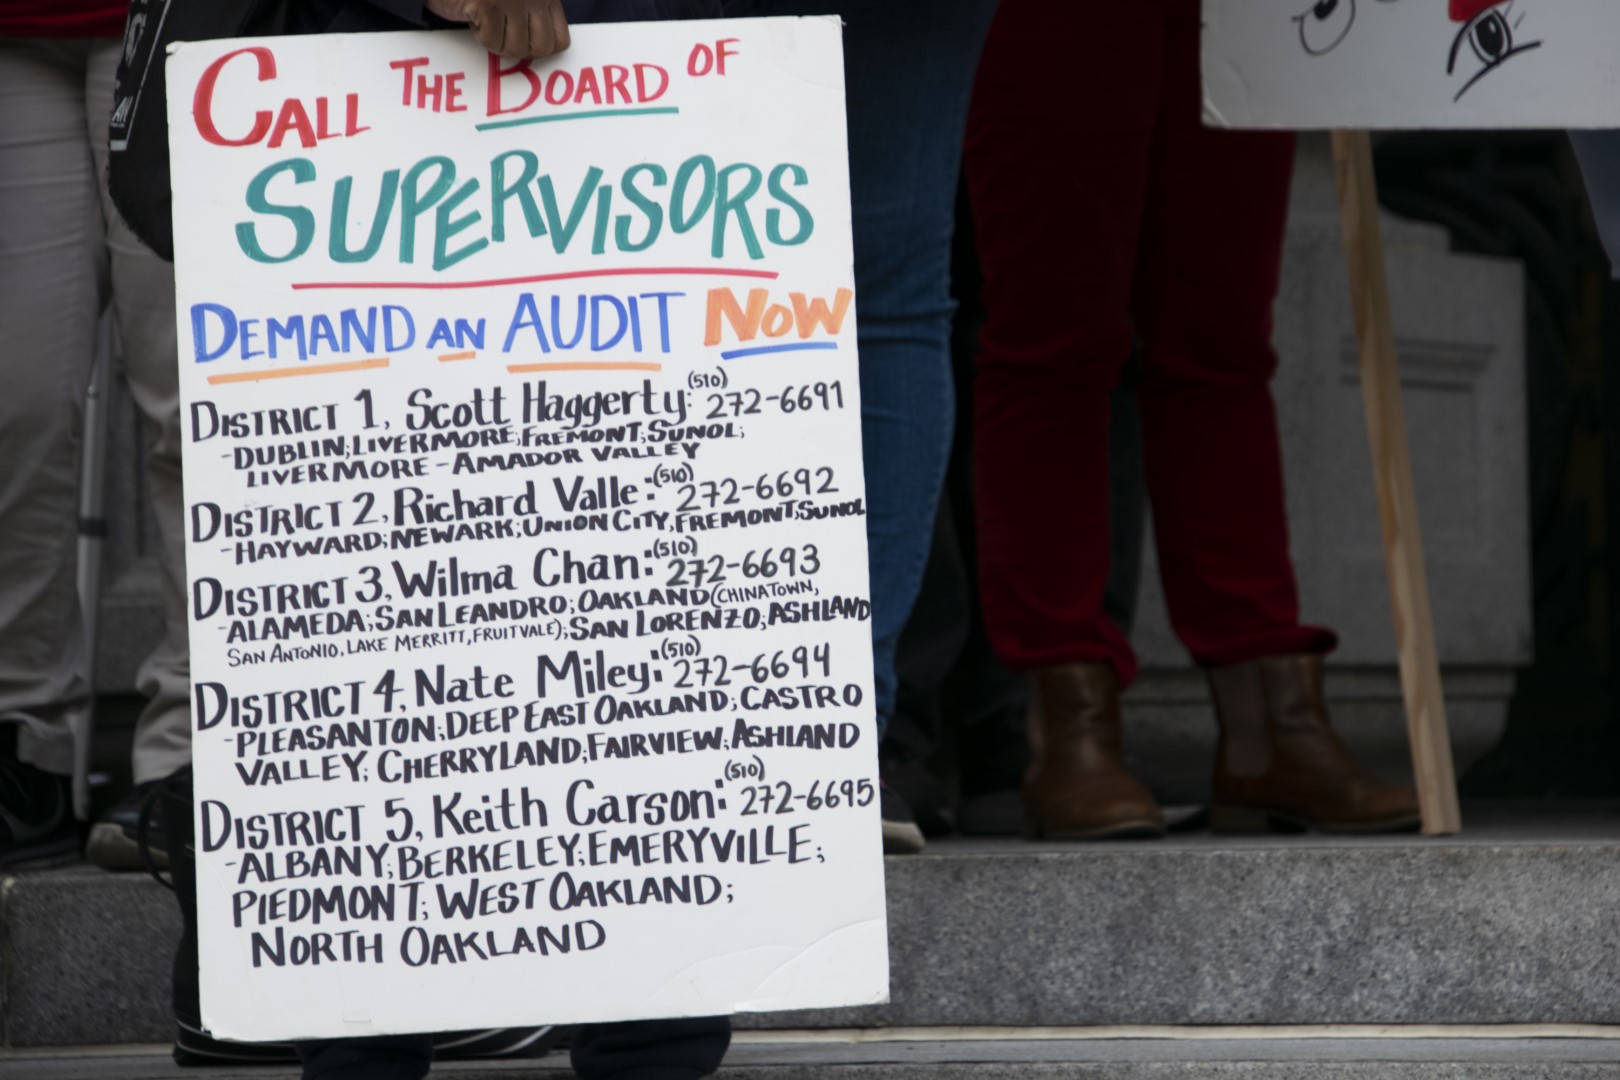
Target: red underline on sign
[
  {"x": 650, "y": 271},
  {"x": 311, "y": 369},
  {"x": 589, "y": 114},
  {"x": 586, "y": 365}
]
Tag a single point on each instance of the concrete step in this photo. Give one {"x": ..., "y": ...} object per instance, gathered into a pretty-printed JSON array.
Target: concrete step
[
  {"x": 1002, "y": 1059},
  {"x": 1513, "y": 922}
]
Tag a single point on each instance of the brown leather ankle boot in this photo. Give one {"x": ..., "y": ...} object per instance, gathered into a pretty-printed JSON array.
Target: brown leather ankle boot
[
  {"x": 1279, "y": 762},
  {"x": 1076, "y": 787}
]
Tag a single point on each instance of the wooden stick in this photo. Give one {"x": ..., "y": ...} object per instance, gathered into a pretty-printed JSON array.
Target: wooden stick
[{"x": 1392, "y": 475}]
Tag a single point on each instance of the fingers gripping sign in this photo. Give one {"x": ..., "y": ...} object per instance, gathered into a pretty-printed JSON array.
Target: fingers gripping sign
[{"x": 510, "y": 28}]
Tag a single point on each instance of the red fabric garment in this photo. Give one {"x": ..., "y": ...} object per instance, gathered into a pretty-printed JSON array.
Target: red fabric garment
[
  {"x": 1105, "y": 212},
  {"x": 1464, "y": 10},
  {"x": 63, "y": 18}
]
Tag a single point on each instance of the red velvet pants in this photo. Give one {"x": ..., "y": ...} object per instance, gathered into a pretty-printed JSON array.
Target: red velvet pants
[{"x": 1106, "y": 214}]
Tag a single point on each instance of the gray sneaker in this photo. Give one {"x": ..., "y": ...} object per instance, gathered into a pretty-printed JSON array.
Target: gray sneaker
[
  {"x": 901, "y": 835},
  {"x": 113, "y": 845}
]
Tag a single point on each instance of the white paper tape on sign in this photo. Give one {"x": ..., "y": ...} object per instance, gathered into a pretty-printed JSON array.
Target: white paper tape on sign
[
  {"x": 530, "y": 619},
  {"x": 1411, "y": 63}
]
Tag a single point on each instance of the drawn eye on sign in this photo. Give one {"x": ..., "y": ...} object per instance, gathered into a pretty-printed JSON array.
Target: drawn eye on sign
[
  {"x": 1489, "y": 35},
  {"x": 1325, "y": 24},
  {"x": 1488, "y": 39}
]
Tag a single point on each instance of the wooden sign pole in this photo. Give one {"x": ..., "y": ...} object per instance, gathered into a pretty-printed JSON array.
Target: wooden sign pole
[{"x": 1392, "y": 475}]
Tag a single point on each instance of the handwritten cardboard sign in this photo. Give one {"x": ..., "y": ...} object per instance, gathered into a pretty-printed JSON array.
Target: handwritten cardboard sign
[
  {"x": 529, "y": 601},
  {"x": 1411, "y": 63}
]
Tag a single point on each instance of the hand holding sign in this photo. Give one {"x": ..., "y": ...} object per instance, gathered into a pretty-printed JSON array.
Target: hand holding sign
[{"x": 511, "y": 28}]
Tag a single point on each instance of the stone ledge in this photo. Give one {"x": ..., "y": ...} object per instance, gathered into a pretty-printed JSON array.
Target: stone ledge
[
  {"x": 1190, "y": 1059},
  {"x": 85, "y": 958},
  {"x": 1204, "y": 932},
  {"x": 1512, "y": 922}
]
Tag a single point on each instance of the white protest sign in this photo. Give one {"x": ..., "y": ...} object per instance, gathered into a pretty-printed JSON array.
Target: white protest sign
[
  {"x": 529, "y": 624},
  {"x": 1411, "y": 63}
]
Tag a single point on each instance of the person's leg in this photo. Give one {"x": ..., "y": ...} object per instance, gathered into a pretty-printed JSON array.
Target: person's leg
[
  {"x": 51, "y": 280},
  {"x": 143, "y": 305},
  {"x": 1057, "y": 233},
  {"x": 1211, "y": 256},
  {"x": 1127, "y": 503},
  {"x": 1057, "y": 202},
  {"x": 1210, "y": 263},
  {"x": 927, "y": 652},
  {"x": 908, "y": 71},
  {"x": 683, "y": 1049}
]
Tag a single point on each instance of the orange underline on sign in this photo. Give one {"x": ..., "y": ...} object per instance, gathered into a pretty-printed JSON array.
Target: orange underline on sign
[
  {"x": 445, "y": 358},
  {"x": 586, "y": 365},
  {"x": 535, "y": 279},
  {"x": 310, "y": 369}
]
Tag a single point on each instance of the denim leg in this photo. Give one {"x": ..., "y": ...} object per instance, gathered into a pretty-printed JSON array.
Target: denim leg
[
  {"x": 1599, "y": 154},
  {"x": 908, "y": 74}
]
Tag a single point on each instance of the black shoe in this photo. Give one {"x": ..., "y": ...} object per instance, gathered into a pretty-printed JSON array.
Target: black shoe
[
  {"x": 915, "y": 785},
  {"x": 113, "y": 843},
  {"x": 992, "y": 813},
  {"x": 901, "y": 836},
  {"x": 36, "y": 818},
  {"x": 994, "y": 755}
]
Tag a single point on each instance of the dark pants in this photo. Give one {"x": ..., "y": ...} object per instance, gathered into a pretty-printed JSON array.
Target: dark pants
[
  {"x": 634, "y": 1050},
  {"x": 1106, "y": 213}
]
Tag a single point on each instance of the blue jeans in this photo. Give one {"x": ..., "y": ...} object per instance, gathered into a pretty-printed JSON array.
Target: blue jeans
[
  {"x": 908, "y": 76},
  {"x": 1599, "y": 154}
]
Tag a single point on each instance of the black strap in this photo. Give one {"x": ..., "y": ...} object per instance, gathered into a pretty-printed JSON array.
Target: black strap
[{"x": 138, "y": 136}]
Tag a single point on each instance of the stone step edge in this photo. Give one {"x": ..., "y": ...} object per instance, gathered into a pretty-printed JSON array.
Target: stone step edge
[
  {"x": 1187, "y": 1032},
  {"x": 1004, "y": 1059},
  {"x": 1254, "y": 1033}
]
